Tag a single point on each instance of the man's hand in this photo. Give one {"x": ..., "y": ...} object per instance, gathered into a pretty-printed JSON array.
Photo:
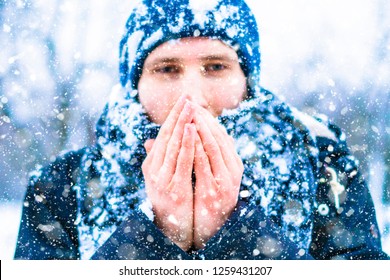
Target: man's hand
[
  {"x": 191, "y": 139},
  {"x": 218, "y": 171},
  {"x": 167, "y": 170}
]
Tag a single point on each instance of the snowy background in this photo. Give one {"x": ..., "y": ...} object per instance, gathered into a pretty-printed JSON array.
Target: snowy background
[{"x": 58, "y": 62}]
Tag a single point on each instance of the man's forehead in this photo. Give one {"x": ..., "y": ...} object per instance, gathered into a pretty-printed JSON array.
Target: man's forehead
[{"x": 200, "y": 48}]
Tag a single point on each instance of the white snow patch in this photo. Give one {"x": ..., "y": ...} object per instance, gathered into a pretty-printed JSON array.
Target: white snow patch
[
  {"x": 200, "y": 19},
  {"x": 248, "y": 148},
  {"x": 87, "y": 244},
  {"x": 281, "y": 164},
  {"x": 202, "y": 6},
  {"x": 147, "y": 208},
  {"x": 293, "y": 217},
  {"x": 156, "y": 36},
  {"x": 266, "y": 198},
  {"x": 245, "y": 194},
  {"x": 132, "y": 45},
  {"x": 180, "y": 24},
  {"x": 315, "y": 127}
]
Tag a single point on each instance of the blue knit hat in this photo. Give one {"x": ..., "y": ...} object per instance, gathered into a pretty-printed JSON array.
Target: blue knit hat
[{"x": 154, "y": 22}]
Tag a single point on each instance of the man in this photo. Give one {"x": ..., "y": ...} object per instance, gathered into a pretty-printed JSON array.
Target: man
[{"x": 194, "y": 160}]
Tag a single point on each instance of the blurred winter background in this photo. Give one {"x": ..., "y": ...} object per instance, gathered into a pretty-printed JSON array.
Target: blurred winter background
[{"x": 58, "y": 61}]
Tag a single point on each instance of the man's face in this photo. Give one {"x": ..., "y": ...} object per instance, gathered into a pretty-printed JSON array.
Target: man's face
[{"x": 206, "y": 70}]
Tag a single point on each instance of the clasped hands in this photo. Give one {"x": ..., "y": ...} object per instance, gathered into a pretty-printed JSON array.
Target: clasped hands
[{"x": 191, "y": 141}]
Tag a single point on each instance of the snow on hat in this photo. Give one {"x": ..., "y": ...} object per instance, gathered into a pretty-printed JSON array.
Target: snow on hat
[{"x": 154, "y": 22}]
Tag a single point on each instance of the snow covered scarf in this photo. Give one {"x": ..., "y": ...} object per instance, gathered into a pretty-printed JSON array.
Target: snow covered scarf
[{"x": 278, "y": 153}]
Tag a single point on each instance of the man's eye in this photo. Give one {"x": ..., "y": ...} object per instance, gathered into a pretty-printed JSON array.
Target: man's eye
[
  {"x": 215, "y": 67},
  {"x": 167, "y": 70}
]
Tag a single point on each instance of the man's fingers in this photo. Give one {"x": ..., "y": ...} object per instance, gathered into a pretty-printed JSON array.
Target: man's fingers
[
  {"x": 185, "y": 160},
  {"x": 166, "y": 131},
  {"x": 175, "y": 142},
  {"x": 211, "y": 147},
  {"x": 149, "y": 145},
  {"x": 223, "y": 139},
  {"x": 201, "y": 163}
]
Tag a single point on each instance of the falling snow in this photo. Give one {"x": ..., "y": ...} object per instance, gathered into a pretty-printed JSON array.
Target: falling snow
[{"x": 57, "y": 70}]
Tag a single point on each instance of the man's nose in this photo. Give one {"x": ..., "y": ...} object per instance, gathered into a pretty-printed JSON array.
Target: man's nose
[{"x": 194, "y": 85}]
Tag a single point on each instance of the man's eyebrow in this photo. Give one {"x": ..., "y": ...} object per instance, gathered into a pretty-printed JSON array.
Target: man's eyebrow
[
  {"x": 218, "y": 57},
  {"x": 162, "y": 60}
]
